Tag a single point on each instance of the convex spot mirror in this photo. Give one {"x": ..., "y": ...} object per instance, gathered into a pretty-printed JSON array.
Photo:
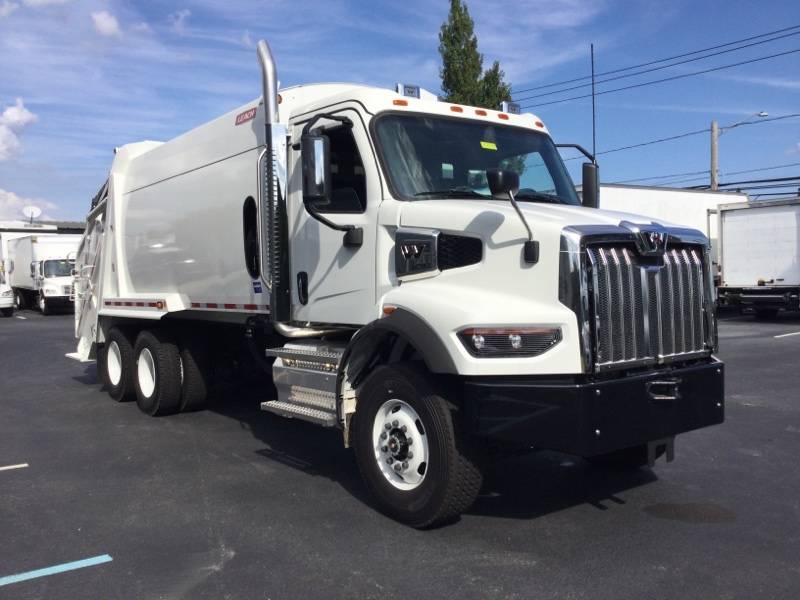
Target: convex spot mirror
[
  {"x": 315, "y": 155},
  {"x": 590, "y": 186},
  {"x": 501, "y": 182}
]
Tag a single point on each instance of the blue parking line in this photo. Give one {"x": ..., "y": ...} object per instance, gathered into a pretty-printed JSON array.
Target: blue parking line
[{"x": 70, "y": 566}]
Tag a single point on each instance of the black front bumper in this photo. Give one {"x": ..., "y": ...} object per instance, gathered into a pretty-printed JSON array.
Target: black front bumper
[{"x": 586, "y": 416}]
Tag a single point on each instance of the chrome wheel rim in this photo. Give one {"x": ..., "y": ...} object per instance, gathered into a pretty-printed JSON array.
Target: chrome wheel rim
[
  {"x": 400, "y": 445},
  {"x": 146, "y": 372},
  {"x": 114, "y": 363}
]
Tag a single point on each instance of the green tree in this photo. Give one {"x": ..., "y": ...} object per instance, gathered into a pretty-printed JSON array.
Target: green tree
[{"x": 463, "y": 79}]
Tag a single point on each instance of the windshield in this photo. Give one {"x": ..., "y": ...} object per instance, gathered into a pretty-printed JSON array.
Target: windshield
[
  {"x": 437, "y": 157},
  {"x": 57, "y": 268}
]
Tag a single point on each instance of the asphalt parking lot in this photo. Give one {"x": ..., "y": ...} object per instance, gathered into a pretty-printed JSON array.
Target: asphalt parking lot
[{"x": 235, "y": 503}]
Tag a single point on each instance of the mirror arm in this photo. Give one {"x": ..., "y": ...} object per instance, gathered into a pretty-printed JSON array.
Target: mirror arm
[
  {"x": 353, "y": 236},
  {"x": 530, "y": 250},
  {"x": 580, "y": 149},
  {"x": 343, "y": 120}
]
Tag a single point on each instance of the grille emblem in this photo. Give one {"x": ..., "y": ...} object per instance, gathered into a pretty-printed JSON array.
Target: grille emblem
[{"x": 651, "y": 239}]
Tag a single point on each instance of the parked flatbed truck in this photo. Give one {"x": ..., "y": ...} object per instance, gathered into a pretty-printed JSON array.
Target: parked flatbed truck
[{"x": 422, "y": 276}]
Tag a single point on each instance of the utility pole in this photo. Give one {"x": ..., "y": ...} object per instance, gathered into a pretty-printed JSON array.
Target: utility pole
[{"x": 714, "y": 165}]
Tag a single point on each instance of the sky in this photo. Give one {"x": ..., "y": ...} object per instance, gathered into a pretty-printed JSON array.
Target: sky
[{"x": 80, "y": 77}]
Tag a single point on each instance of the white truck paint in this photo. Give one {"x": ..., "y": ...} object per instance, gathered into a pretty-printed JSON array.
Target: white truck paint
[
  {"x": 376, "y": 246},
  {"x": 760, "y": 245},
  {"x": 691, "y": 208},
  {"x": 40, "y": 269}
]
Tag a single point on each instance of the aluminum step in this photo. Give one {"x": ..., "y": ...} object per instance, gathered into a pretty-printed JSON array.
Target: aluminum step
[
  {"x": 299, "y": 411},
  {"x": 311, "y": 355}
]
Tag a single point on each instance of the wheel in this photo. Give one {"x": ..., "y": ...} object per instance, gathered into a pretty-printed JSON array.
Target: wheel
[
  {"x": 625, "y": 459},
  {"x": 196, "y": 374},
  {"x": 115, "y": 363},
  {"x": 157, "y": 373},
  {"x": 418, "y": 467},
  {"x": 19, "y": 300},
  {"x": 766, "y": 313},
  {"x": 7, "y": 312},
  {"x": 44, "y": 307}
]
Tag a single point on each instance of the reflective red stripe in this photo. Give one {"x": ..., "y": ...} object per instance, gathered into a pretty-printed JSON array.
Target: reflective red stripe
[{"x": 251, "y": 307}]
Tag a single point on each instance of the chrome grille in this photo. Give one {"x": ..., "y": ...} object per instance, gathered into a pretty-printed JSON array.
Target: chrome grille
[{"x": 645, "y": 310}]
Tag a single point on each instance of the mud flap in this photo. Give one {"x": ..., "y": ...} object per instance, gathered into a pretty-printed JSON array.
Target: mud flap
[{"x": 653, "y": 447}]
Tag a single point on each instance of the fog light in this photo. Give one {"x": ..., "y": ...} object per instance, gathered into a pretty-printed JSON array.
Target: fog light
[
  {"x": 516, "y": 341},
  {"x": 492, "y": 342},
  {"x": 478, "y": 341}
]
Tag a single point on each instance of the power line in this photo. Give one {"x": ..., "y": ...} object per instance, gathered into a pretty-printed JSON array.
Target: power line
[
  {"x": 663, "y": 176},
  {"x": 654, "y": 62},
  {"x": 773, "y": 180},
  {"x": 673, "y": 175},
  {"x": 762, "y": 169},
  {"x": 688, "y": 134},
  {"x": 645, "y": 71},
  {"x": 665, "y": 79}
]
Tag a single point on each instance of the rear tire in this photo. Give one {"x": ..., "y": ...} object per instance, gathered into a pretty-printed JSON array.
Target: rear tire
[
  {"x": 115, "y": 363},
  {"x": 196, "y": 374},
  {"x": 19, "y": 300},
  {"x": 157, "y": 373},
  {"x": 439, "y": 472},
  {"x": 7, "y": 312}
]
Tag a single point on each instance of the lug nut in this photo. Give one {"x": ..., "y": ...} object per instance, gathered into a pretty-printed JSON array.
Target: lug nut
[
  {"x": 404, "y": 429},
  {"x": 388, "y": 426},
  {"x": 389, "y": 460},
  {"x": 384, "y": 435},
  {"x": 397, "y": 467},
  {"x": 384, "y": 448},
  {"x": 410, "y": 455},
  {"x": 405, "y": 465},
  {"x": 394, "y": 423},
  {"x": 410, "y": 441}
]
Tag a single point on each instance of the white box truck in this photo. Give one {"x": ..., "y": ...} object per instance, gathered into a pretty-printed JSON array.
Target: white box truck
[
  {"x": 6, "y": 298},
  {"x": 422, "y": 276},
  {"x": 40, "y": 270},
  {"x": 691, "y": 208},
  {"x": 760, "y": 248}
]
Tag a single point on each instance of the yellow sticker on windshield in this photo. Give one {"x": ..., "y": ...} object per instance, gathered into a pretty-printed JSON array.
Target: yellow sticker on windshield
[{"x": 488, "y": 145}]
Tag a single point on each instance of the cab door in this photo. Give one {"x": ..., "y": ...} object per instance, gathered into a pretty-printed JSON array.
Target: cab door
[{"x": 334, "y": 282}]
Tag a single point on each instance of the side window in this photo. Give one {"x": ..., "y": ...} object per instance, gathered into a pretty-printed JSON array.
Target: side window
[
  {"x": 348, "y": 180},
  {"x": 251, "y": 246}
]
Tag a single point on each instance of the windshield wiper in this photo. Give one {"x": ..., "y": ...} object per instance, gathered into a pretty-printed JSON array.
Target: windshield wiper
[
  {"x": 452, "y": 193},
  {"x": 537, "y": 196}
]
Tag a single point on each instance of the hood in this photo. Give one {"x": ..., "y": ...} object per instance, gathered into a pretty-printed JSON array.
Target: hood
[{"x": 497, "y": 220}]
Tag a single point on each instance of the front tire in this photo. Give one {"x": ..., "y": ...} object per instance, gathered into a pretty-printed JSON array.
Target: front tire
[
  {"x": 44, "y": 306},
  {"x": 416, "y": 464},
  {"x": 19, "y": 300},
  {"x": 157, "y": 373}
]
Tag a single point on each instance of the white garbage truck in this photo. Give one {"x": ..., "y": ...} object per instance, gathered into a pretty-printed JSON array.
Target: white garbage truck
[
  {"x": 418, "y": 274},
  {"x": 40, "y": 270},
  {"x": 760, "y": 247}
]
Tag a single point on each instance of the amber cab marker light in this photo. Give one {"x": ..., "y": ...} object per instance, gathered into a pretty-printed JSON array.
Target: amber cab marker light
[
  {"x": 456, "y": 109},
  {"x": 539, "y": 124},
  {"x": 503, "y": 116},
  {"x": 400, "y": 102},
  {"x": 280, "y": 98},
  {"x": 388, "y": 309},
  {"x": 480, "y": 112}
]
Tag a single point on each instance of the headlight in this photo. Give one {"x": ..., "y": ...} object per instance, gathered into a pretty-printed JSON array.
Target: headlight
[{"x": 490, "y": 342}]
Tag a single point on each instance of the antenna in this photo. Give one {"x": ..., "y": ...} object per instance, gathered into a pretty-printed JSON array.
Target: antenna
[
  {"x": 31, "y": 212},
  {"x": 594, "y": 121}
]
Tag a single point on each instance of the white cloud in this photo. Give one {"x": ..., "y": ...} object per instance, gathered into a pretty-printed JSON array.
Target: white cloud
[
  {"x": 6, "y": 8},
  {"x": 13, "y": 120},
  {"x": 106, "y": 24},
  {"x": 141, "y": 28},
  {"x": 11, "y": 206},
  {"x": 178, "y": 20}
]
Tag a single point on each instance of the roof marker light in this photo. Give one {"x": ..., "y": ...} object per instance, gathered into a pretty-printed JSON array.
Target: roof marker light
[
  {"x": 538, "y": 123},
  {"x": 503, "y": 116},
  {"x": 412, "y": 91},
  {"x": 510, "y": 107},
  {"x": 457, "y": 109},
  {"x": 480, "y": 112},
  {"x": 400, "y": 102}
]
